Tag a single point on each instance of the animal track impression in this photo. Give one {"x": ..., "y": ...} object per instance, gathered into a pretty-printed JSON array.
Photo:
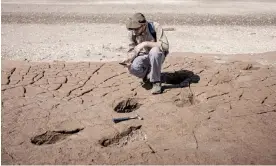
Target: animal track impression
[
  {"x": 133, "y": 133},
  {"x": 186, "y": 98},
  {"x": 128, "y": 105},
  {"x": 52, "y": 137}
]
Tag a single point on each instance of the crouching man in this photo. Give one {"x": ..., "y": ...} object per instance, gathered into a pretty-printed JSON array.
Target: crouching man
[{"x": 148, "y": 49}]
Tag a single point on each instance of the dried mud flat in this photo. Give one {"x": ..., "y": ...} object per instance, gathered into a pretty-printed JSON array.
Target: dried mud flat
[{"x": 61, "y": 112}]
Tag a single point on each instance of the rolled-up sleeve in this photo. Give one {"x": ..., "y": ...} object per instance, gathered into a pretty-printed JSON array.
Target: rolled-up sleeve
[{"x": 161, "y": 37}]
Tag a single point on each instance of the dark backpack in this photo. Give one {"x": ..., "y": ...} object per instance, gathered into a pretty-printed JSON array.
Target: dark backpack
[{"x": 152, "y": 31}]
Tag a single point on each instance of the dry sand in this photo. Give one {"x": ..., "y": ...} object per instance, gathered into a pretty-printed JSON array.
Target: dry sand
[
  {"x": 61, "y": 82},
  {"x": 94, "y": 30}
]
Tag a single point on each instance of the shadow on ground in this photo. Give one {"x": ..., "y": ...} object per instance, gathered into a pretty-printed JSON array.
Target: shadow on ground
[
  {"x": 176, "y": 79},
  {"x": 179, "y": 79}
]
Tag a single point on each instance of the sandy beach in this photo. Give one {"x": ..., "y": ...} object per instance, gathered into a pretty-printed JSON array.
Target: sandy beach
[{"x": 61, "y": 84}]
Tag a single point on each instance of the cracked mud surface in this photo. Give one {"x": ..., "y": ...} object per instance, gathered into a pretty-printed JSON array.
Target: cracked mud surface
[{"x": 227, "y": 117}]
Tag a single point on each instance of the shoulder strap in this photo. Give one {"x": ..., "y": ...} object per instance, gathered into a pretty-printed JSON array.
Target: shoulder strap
[{"x": 151, "y": 29}]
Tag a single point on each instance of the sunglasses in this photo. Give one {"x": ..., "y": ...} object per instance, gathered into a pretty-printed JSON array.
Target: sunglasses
[{"x": 136, "y": 29}]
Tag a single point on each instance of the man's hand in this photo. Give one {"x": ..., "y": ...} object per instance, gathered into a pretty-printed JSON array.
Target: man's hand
[
  {"x": 139, "y": 47},
  {"x": 126, "y": 63}
]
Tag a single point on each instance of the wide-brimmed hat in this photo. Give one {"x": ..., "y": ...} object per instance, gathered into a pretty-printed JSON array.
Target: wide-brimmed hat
[{"x": 136, "y": 21}]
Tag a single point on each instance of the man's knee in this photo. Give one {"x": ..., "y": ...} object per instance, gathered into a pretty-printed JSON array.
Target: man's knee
[
  {"x": 138, "y": 67},
  {"x": 138, "y": 71},
  {"x": 155, "y": 50},
  {"x": 155, "y": 53}
]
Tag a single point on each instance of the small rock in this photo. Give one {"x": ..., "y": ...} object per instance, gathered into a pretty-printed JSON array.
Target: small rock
[
  {"x": 169, "y": 29},
  {"x": 247, "y": 66},
  {"x": 217, "y": 58}
]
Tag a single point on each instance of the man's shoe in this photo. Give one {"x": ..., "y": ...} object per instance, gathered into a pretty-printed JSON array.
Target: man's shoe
[
  {"x": 147, "y": 85},
  {"x": 156, "y": 89},
  {"x": 146, "y": 80}
]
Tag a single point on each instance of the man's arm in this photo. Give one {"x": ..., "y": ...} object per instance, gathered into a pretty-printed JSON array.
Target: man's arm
[
  {"x": 152, "y": 44},
  {"x": 161, "y": 42},
  {"x": 161, "y": 39},
  {"x": 131, "y": 54}
]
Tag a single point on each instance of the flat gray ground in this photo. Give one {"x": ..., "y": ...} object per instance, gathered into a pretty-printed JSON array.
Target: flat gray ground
[{"x": 95, "y": 30}]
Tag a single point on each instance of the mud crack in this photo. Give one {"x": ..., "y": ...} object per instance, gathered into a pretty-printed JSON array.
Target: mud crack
[
  {"x": 214, "y": 75},
  {"x": 24, "y": 91},
  {"x": 133, "y": 133},
  {"x": 217, "y": 95},
  {"x": 90, "y": 90},
  {"x": 195, "y": 139},
  {"x": 240, "y": 96},
  {"x": 95, "y": 71},
  {"x": 259, "y": 113},
  {"x": 38, "y": 77},
  {"x": 264, "y": 100},
  {"x": 266, "y": 112},
  {"x": 52, "y": 137},
  {"x": 116, "y": 75},
  {"x": 12, "y": 71}
]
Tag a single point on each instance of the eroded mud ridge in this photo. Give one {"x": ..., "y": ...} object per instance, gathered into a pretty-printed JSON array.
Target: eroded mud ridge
[{"x": 226, "y": 108}]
